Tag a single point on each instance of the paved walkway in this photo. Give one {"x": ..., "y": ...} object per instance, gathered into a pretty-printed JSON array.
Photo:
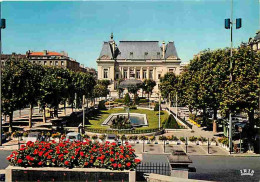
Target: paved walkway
[{"x": 196, "y": 131}]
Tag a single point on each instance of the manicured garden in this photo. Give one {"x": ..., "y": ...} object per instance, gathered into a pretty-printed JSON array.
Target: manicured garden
[{"x": 152, "y": 117}]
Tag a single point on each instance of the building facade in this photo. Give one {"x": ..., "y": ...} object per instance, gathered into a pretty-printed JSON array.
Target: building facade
[
  {"x": 254, "y": 43},
  {"x": 51, "y": 58},
  {"x": 136, "y": 60}
]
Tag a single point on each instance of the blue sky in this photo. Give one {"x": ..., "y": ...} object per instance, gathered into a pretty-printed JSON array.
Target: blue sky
[{"x": 80, "y": 27}]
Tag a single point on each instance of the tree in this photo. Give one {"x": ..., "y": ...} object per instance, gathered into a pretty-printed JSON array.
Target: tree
[
  {"x": 148, "y": 86},
  {"x": 13, "y": 90},
  {"x": 100, "y": 90},
  {"x": 242, "y": 94},
  {"x": 127, "y": 99}
]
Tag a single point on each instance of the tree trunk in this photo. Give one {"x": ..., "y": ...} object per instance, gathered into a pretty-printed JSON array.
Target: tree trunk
[
  {"x": 30, "y": 115},
  {"x": 65, "y": 108},
  {"x": 251, "y": 120},
  {"x": 72, "y": 106},
  {"x": 11, "y": 122},
  {"x": 204, "y": 115},
  {"x": 215, "y": 128},
  {"x": 44, "y": 115}
]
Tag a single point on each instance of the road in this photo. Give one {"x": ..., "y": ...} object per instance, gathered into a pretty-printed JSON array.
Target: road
[
  {"x": 225, "y": 168},
  {"x": 3, "y": 161}
]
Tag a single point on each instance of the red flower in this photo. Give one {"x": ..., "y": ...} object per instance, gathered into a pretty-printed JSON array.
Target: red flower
[
  {"x": 20, "y": 161},
  {"x": 112, "y": 159},
  {"x": 53, "y": 160},
  {"x": 137, "y": 161},
  {"x": 121, "y": 156},
  {"x": 28, "y": 157},
  {"x": 119, "y": 165},
  {"x": 114, "y": 165},
  {"x": 40, "y": 163},
  {"x": 66, "y": 163},
  {"x": 49, "y": 157},
  {"x": 86, "y": 163},
  {"x": 128, "y": 164},
  {"x": 81, "y": 153},
  {"x": 72, "y": 157}
]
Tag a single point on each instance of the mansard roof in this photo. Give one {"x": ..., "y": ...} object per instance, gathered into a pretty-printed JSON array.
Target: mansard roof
[{"x": 138, "y": 50}]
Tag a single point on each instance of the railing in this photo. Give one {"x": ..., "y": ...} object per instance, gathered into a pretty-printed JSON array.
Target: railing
[
  {"x": 184, "y": 121},
  {"x": 157, "y": 168},
  {"x": 123, "y": 131}
]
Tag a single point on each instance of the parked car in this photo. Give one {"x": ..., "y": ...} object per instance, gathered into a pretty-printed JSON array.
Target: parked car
[
  {"x": 73, "y": 136},
  {"x": 33, "y": 136}
]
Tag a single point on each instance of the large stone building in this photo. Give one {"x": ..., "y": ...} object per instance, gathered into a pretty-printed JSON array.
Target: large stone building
[
  {"x": 51, "y": 58},
  {"x": 136, "y": 60},
  {"x": 254, "y": 43}
]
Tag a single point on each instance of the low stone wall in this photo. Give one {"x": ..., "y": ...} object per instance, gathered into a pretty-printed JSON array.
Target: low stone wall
[
  {"x": 161, "y": 178},
  {"x": 14, "y": 173}
]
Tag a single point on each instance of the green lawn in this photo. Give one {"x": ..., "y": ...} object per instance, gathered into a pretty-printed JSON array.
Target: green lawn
[{"x": 152, "y": 118}]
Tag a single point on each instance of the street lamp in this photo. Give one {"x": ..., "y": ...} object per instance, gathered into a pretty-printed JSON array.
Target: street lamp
[
  {"x": 229, "y": 25},
  {"x": 2, "y": 26},
  {"x": 159, "y": 110}
]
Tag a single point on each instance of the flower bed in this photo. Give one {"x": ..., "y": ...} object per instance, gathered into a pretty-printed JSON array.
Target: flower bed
[
  {"x": 77, "y": 154},
  {"x": 193, "y": 122}
]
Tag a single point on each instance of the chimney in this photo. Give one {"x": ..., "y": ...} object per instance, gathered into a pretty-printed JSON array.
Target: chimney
[
  {"x": 45, "y": 52},
  {"x": 163, "y": 50}
]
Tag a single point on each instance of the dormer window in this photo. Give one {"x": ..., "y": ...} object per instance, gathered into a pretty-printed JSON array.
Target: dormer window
[
  {"x": 146, "y": 53},
  {"x": 158, "y": 53},
  {"x": 131, "y": 53}
]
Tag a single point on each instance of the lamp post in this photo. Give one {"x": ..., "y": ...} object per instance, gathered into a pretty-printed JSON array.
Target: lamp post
[
  {"x": 229, "y": 25},
  {"x": 2, "y": 27},
  {"x": 159, "y": 111}
]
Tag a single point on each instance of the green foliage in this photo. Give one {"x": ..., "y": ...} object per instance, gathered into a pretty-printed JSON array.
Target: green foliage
[
  {"x": 182, "y": 139},
  {"x": 119, "y": 100},
  {"x": 156, "y": 107},
  {"x": 171, "y": 123},
  {"x": 193, "y": 139},
  {"x": 121, "y": 122},
  {"x": 101, "y": 105},
  {"x": 148, "y": 86},
  {"x": 127, "y": 99},
  {"x": 100, "y": 91}
]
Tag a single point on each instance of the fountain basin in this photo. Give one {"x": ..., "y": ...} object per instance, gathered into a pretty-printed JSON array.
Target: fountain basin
[{"x": 137, "y": 120}]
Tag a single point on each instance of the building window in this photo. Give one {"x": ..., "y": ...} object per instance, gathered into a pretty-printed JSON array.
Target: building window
[
  {"x": 45, "y": 62},
  {"x": 138, "y": 74},
  {"x": 50, "y": 62},
  {"x": 131, "y": 53},
  {"x": 39, "y": 62},
  {"x": 56, "y": 63},
  {"x": 62, "y": 63},
  {"x": 117, "y": 76},
  {"x": 105, "y": 73},
  {"x": 144, "y": 74},
  {"x": 125, "y": 74},
  {"x": 159, "y": 76},
  {"x": 146, "y": 53},
  {"x": 172, "y": 70},
  {"x": 33, "y": 62},
  {"x": 151, "y": 74}
]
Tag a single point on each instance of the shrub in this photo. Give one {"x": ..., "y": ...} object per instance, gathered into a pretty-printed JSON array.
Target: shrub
[
  {"x": 16, "y": 134},
  {"x": 133, "y": 107},
  {"x": 102, "y": 137},
  {"x": 101, "y": 105},
  {"x": 127, "y": 99},
  {"x": 171, "y": 123},
  {"x": 119, "y": 100},
  {"x": 94, "y": 137},
  {"x": 56, "y": 135},
  {"x": 25, "y": 134},
  {"x": 156, "y": 107},
  {"x": 75, "y": 154},
  {"x": 152, "y": 138},
  {"x": 192, "y": 139},
  {"x": 182, "y": 139},
  {"x": 162, "y": 138}
]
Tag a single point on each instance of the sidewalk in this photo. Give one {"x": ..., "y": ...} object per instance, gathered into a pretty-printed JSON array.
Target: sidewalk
[{"x": 10, "y": 145}]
